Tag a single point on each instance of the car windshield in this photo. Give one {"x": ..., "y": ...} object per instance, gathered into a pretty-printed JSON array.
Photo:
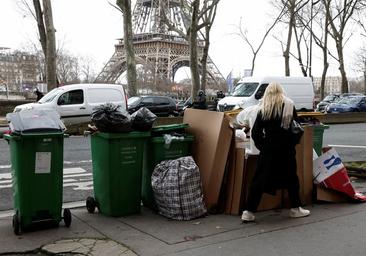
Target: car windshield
[
  {"x": 350, "y": 100},
  {"x": 330, "y": 98},
  {"x": 244, "y": 89},
  {"x": 133, "y": 101},
  {"x": 50, "y": 96}
]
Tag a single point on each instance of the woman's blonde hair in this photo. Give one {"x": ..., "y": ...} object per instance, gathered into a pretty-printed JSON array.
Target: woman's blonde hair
[{"x": 272, "y": 101}]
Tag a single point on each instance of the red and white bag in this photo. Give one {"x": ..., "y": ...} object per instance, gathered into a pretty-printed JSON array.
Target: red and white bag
[{"x": 329, "y": 171}]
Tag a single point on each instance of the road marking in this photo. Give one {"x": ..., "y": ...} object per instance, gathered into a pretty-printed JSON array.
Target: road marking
[
  {"x": 76, "y": 177},
  {"x": 78, "y": 162},
  {"x": 70, "y": 205},
  {"x": 347, "y": 146},
  {"x": 8, "y": 166}
]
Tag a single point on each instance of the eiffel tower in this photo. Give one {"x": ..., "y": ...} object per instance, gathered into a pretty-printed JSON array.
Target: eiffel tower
[{"x": 161, "y": 51}]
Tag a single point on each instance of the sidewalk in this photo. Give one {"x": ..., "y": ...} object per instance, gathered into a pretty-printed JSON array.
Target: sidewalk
[{"x": 332, "y": 229}]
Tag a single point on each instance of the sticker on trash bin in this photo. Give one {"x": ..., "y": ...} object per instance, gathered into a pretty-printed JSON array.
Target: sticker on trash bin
[{"x": 43, "y": 162}]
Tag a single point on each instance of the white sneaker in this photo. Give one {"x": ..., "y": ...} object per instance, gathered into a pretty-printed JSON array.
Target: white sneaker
[
  {"x": 247, "y": 216},
  {"x": 298, "y": 212}
]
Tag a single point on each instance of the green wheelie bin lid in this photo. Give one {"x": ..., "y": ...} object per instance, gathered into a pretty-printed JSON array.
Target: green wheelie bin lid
[{"x": 169, "y": 128}]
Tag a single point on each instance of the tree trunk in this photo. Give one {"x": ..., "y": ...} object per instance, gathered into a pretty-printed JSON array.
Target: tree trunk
[
  {"x": 364, "y": 79},
  {"x": 364, "y": 74},
  {"x": 193, "y": 50},
  {"x": 325, "y": 58},
  {"x": 339, "y": 45},
  {"x": 51, "y": 46},
  {"x": 125, "y": 6},
  {"x": 204, "y": 60},
  {"x": 286, "y": 53},
  {"x": 40, "y": 25}
]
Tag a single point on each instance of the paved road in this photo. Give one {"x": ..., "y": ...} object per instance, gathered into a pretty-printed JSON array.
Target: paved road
[{"x": 349, "y": 141}]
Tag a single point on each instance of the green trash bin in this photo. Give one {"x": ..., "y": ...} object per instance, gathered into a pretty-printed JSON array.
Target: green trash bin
[
  {"x": 37, "y": 172},
  {"x": 318, "y": 131},
  {"x": 36, "y": 149},
  {"x": 157, "y": 151},
  {"x": 117, "y": 168}
]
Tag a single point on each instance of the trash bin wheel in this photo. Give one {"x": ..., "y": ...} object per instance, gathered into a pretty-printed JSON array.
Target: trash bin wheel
[
  {"x": 91, "y": 204},
  {"x": 67, "y": 217},
  {"x": 16, "y": 223}
]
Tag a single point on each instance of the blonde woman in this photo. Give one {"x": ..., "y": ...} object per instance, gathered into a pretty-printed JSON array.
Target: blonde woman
[{"x": 276, "y": 166}]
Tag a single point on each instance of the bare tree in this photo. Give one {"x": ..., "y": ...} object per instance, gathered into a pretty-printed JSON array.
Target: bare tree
[
  {"x": 51, "y": 45},
  {"x": 243, "y": 34},
  {"x": 68, "y": 68},
  {"x": 199, "y": 15},
  {"x": 339, "y": 13},
  {"x": 207, "y": 16},
  {"x": 125, "y": 8},
  {"x": 360, "y": 65},
  {"x": 43, "y": 16},
  {"x": 291, "y": 7},
  {"x": 87, "y": 65}
]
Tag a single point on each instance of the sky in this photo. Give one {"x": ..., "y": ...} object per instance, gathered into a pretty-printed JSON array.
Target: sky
[{"x": 91, "y": 27}]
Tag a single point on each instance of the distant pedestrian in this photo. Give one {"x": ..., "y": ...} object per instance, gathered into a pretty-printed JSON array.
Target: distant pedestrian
[
  {"x": 200, "y": 101},
  {"x": 38, "y": 94},
  {"x": 276, "y": 166}
]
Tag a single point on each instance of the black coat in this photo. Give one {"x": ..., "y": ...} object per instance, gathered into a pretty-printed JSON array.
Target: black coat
[{"x": 276, "y": 166}]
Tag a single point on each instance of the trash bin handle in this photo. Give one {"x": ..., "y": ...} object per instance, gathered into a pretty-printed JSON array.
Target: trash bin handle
[{"x": 10, "y": 137}]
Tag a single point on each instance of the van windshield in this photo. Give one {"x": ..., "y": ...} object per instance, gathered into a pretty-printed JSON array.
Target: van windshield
[
  {"x": 244, "y": 89},
  {"x": 50, "y": 96}
]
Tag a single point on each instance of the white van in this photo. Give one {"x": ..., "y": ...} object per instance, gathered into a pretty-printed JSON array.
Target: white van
[
  {"x": 249, "y": 90},
  {"x": 75, "y": 102}
]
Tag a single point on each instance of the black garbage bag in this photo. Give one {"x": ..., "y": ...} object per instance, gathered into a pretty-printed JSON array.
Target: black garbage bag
[
  {"x": 143, "y": 119},
  {"x": 110, "y": 118}
]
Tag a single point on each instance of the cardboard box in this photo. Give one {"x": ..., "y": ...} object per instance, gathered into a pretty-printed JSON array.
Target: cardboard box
[
  {"x": 304, "y": 159},
  {"x": 210, "y": 149},
  {"x": 327, "y": 195},
  {"x": 234, "y": 183},
  {"x": 268, "y": 201}
]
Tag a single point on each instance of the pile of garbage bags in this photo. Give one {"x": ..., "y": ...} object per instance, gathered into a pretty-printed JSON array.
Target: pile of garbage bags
[{"x": 112, "y": 119}]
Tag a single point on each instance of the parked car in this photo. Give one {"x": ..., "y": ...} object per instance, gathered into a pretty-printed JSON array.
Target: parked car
[
  {"x": 75, "y": 102},
  {"x": 348, "y": 104},
  {"x": 351, "y": 94},
  {"x": 159, "y": 105},
  {"x": 321, "y": 106}
]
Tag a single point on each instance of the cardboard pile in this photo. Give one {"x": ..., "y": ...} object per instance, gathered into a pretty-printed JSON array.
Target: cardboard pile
[{"x": 226, "y": 170}]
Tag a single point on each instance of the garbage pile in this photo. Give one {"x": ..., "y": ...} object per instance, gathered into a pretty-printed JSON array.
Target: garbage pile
[{"x": 112, "y": 119}]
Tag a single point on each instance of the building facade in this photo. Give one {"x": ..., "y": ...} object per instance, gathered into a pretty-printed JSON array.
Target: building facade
[{"x": 18, "y": 70}]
